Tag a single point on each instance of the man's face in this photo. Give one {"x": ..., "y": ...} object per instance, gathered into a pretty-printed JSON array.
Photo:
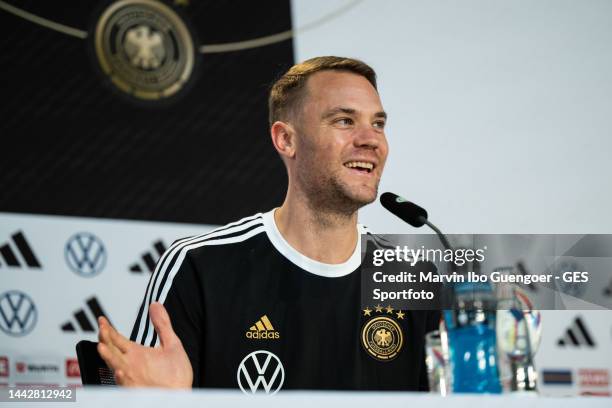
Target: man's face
[{"x": 341, "y": 146}]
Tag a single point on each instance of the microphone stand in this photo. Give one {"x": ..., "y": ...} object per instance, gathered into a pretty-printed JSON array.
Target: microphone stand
[{"x": 439, "y": 233}]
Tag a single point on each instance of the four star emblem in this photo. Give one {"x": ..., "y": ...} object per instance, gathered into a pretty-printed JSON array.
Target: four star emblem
[{"x": 379, "y": 309}]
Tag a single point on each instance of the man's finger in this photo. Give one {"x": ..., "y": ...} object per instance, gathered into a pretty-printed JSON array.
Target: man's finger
[
  {"x": 119, "y": 377},
  {"x": 119, "y": 341},
  {"x": 112, "y": 359},
  {"x": 106, "y": 339},
  {"x": 161, "y": 322},
  {"x": 103, "y": 321},
  {"x": 104, "y": 335}
]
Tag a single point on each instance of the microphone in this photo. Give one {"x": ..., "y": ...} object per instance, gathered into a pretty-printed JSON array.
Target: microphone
[
  {"x": 404, "y": 209},
  {"x": 411, "y": 213}
]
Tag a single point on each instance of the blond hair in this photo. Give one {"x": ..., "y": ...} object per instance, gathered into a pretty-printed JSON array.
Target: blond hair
[{"x": 287, "y": 93}]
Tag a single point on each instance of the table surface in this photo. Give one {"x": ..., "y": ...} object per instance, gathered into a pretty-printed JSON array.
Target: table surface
[{"x": 152, "y": 398}]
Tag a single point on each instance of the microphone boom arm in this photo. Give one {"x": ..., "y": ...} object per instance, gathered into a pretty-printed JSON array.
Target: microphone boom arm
[{"x": 439, "y": 233}]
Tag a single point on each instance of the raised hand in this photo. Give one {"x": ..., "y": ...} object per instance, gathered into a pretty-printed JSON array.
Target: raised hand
[{"x": 135, "y": 365}]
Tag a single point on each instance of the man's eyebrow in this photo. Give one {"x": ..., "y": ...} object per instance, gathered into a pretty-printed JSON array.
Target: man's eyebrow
[
  {"x": 339, "y": 109},
  {"x": 381, "y": 114},
  {"x": 348, "y": 111}
]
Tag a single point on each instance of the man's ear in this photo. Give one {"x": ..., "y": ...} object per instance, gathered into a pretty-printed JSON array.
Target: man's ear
[{"x": 283, "y": 138}]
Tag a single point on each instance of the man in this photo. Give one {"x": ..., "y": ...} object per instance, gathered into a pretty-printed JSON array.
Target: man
[{"x": 287, "y": 281}]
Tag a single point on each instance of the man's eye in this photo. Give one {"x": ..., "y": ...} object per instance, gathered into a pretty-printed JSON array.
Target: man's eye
[
  {"x": 380, "y": 124},
  {"x": 344, "y": 121}
]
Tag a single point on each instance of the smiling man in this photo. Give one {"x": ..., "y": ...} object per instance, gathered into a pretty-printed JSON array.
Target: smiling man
[{"x": 282, "y": 288}]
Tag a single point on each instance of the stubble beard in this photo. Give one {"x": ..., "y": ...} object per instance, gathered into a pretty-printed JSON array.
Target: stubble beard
[{"x": 328, "y": 193}]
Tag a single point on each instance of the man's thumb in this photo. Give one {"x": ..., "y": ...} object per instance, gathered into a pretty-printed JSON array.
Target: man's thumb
[{"x": 161, "y": 322}]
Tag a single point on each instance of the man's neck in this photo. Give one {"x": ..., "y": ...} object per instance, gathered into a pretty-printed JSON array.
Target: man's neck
[{"x": 325, "y": 236}]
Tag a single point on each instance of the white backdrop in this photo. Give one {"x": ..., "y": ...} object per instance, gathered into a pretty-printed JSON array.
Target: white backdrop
[
  {"x": 45, "y": 352},
  {"x": 499, "y": 110}
]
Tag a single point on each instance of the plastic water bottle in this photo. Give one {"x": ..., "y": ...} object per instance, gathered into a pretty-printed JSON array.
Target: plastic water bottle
[{"x": 472, "y": 339}]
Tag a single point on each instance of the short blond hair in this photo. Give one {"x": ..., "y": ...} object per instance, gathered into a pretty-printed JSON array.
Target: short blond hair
[{"x": 287, "y": 93}]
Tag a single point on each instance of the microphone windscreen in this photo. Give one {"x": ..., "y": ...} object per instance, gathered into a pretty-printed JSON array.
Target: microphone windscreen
[{"x": 404, "y": 209}]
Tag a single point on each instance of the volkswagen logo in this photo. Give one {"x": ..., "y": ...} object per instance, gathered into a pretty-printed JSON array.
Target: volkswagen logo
[
  {"x": 261, "y": 370},
  {"x": 85, "y": 254},
  {"x": 18, "y": 314},
  {"x": 145, "y": 48}
]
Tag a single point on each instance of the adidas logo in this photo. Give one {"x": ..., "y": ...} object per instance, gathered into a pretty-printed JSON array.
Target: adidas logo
[
  {"x": 262, "y": 329},
  {"x": 577, "y": 335},
  {"x": 22, "y": 248},
  {"x": 149, "y": 259},
  {"x": 87, "y": 322}
]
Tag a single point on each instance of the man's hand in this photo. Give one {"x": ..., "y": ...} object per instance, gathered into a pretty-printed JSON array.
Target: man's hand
[{"x": 138, "y": 366}]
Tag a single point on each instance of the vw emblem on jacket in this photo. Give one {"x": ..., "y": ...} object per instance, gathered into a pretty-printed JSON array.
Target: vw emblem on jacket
[{"x": 261, "y": 370}]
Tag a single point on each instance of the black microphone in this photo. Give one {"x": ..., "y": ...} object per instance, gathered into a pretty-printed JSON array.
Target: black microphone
[
  {"x": 410, "y": 213},
  {"x": 404, "y": 209}
]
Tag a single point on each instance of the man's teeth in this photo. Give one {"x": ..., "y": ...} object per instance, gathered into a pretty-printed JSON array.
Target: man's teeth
[{"x": 363, "y": 165}]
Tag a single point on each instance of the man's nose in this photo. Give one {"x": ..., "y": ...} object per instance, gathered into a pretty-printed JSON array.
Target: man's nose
[{"x": 368, "y": 136}]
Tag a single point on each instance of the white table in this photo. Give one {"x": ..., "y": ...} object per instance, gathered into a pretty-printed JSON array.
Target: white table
[{"x": 154, "y": 398}]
